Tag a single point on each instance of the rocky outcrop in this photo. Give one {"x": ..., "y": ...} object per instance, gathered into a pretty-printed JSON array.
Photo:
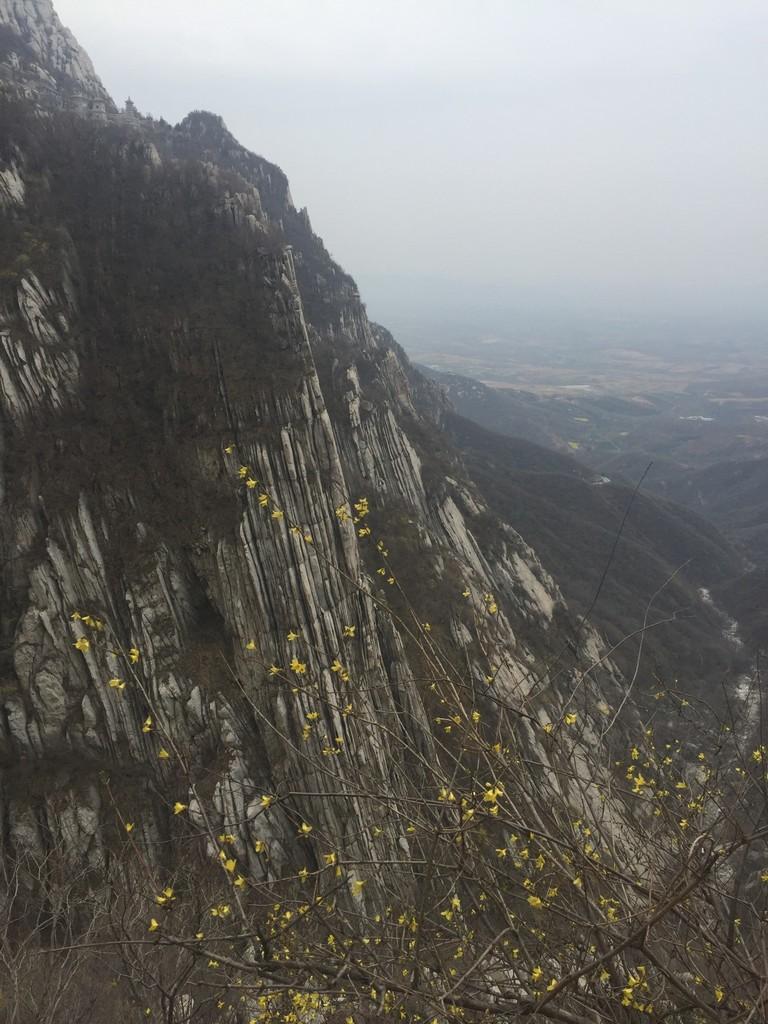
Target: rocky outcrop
[
  {"x": 42, "y": 59},
  {"x": 192, "y": 400}
]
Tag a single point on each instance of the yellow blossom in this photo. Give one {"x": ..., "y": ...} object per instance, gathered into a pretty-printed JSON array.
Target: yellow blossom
[
  {"x": 83, "y": 644},
  {"x": 134, "y": 655},
  {"x": 179, "y": 807},
  {"x": 163, "y": 754}
]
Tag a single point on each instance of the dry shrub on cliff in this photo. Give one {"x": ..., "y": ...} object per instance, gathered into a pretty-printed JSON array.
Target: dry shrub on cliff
[{"x": 521, "y": 852}]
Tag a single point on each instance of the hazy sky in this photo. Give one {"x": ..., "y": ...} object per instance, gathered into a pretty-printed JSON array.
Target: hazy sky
[{"x": 599, "y": 154}]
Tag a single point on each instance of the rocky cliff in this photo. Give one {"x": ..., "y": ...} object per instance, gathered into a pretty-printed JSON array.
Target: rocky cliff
[{"x": 192, "y": 403}]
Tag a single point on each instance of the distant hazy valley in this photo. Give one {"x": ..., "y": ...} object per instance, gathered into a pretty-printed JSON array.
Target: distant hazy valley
[{"x": 692, "y": 417}]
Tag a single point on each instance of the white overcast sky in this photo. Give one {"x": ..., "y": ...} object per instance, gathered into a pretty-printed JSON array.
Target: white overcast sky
[{"x": 597, "y": 152}]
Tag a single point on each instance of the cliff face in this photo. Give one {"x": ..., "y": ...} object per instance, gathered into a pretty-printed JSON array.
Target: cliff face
[
  {"x": 42, "y": 58},
  {"x": 170, "y": 330}
]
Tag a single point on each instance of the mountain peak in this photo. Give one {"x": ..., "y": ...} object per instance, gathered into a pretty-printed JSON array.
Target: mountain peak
[{"x": 42, "y": 56}]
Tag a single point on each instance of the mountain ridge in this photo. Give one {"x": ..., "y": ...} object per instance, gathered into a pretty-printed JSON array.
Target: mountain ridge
[{"x": 168, "y": 318}]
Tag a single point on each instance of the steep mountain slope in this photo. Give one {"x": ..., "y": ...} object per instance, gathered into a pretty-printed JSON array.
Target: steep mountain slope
[
  {"x": 574, "y": 518},
  {"x": 710, "y": 483},
  {"x": 192, "y": 401}
]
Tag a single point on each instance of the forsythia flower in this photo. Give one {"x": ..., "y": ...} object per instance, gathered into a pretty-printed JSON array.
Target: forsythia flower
[
  {"x": 536, "y": 973},
  {"x": 179, "y": 807},
  {"x": 129, "y": 826},
  {"x": 293, "y": 635},
  {"x": 570, "y": 718},
  {"x": 147, "y": 726},
  {"x": 83, "y": 644},
  {"x": 536, "y": 902},
  {"x": 274, "y": 670},
  {"x": 117, "y": 684},
  {"x": 163, "y": 754},
  {"x": 349, "y": 630},
  {"x": 153, "y": 925},
  {"x": 251, "y": 645},
  {"x": 134, "y": 655},
  {"x": 267, "y": 801},
  {"x": 299, "y": 667},
  {"x": 305, "y": 829},
  {"x": 277, "y": 513}
]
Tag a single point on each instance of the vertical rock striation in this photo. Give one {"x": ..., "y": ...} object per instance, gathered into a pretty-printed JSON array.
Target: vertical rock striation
[{"x": 166, "y": 317}]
